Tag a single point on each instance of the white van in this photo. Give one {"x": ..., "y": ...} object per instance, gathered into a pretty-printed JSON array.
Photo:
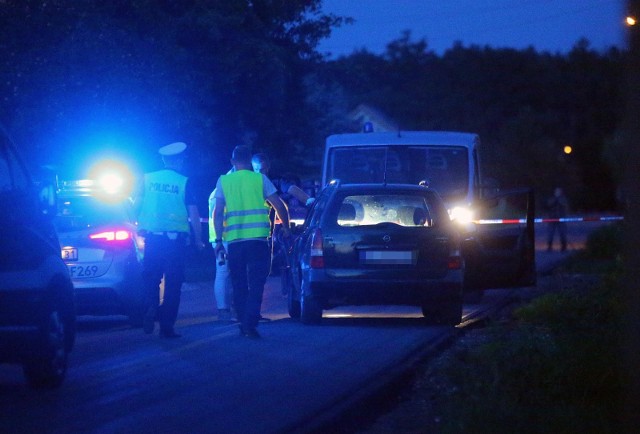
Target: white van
[
  {"x": 448, "y": 162},
  {"x": 496, "y": 255}
]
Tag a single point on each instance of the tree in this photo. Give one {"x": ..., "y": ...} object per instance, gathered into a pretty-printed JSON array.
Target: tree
[
  {"x": 144, "y": 72},
  {"x": 524, "y": 105}
]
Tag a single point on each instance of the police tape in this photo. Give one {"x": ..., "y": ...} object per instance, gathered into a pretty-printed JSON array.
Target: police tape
[
  {"x": 513, "y": 221},
  {"x": 547, "y": 220}
]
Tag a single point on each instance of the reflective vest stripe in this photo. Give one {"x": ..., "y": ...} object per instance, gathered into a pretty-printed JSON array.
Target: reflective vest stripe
[
  {"x": 239, "y": 226},
  {"x": 247, "y": 212}
]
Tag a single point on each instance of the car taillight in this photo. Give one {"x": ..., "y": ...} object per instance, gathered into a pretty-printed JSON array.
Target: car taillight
[
  {"x": 316, "y": 259},
  {"x": 455, "y": 261},
  {"x": 117, "y": 235}
]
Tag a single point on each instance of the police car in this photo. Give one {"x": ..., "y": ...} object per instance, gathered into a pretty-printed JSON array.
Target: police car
[{"x": 101, "y": 247}]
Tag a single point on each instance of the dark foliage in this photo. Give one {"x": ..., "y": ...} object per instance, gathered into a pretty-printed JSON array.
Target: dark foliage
[
  {"x": 84, "y": 77},
  {"x": 525, "y": 105}
]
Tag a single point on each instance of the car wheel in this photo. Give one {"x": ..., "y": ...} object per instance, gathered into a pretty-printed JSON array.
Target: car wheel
[
  {"x": 47, "y": 370},
  {"x": 310, "y": 310},
  {"x": 442, "y": 313},
  {"x": 286, "y": 280},
  {"x": 293, "y": 305}
]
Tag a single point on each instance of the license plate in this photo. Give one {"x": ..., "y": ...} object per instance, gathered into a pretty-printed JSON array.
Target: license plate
[
  {"x": 69, "y": 254},
  {"x": 388, "y": 257},
  {"x": 83, "y": 271}
]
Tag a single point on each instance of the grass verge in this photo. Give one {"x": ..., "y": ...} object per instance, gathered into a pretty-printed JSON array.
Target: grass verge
[{"x": 555, "y": 367}]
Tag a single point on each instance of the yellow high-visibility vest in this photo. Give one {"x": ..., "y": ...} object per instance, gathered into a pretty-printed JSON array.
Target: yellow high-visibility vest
[
  {"x": 163, "y": 208},
  {"x": 246, "y": 215}
]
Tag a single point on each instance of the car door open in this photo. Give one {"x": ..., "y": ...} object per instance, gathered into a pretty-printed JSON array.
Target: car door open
[{"x": 500, "y": 253}]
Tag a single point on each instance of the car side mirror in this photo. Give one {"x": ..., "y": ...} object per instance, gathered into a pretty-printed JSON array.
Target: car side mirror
[
  {"x": 48, "y": 199},
  {"x": 46, "y": 185}
]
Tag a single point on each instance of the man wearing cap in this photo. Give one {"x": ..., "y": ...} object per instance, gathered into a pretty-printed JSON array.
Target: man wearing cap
[
  {"x": 241, "y": 219},
  {"x": 166, "y": 206}
]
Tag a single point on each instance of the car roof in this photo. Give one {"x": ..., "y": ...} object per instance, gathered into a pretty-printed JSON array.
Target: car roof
[
  {"x": 430, "y": 138},
  {"x": 381, "y": 187}
]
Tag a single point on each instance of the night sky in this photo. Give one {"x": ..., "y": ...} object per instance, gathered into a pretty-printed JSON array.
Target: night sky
[{"x": 547, "y": 25}]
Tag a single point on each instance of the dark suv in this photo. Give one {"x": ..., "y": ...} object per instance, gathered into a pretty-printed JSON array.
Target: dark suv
[{"x": 37, "y": 316}]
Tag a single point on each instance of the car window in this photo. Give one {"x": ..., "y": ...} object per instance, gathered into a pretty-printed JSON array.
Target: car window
[
  {"x": 12, "y": 175},
  {"x": 371, "y": 209},
  {"x": 17, "y": 196},
  {"x": 317, "y": 209},
  {"x": 82, "y": 212}
]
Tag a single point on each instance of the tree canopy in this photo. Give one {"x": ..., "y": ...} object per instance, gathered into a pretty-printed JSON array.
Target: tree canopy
[{"x": 82, "y": 77}]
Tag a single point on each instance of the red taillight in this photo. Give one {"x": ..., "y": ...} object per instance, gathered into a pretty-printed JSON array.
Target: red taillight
[
  {"x": 455, "y": 261},
  {"x": 316, "y": 259},
  {"x": 111, "y": 236}
]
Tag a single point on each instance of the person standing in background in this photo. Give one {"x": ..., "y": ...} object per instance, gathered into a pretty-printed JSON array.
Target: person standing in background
[
  {"x": 166, "y": 208},
  {"x": 222, "y": 287},
  {"x": 558, "y": 208}
]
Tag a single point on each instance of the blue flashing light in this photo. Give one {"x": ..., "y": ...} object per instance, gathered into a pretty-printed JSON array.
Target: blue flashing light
[{"x": 111, "y": 182}]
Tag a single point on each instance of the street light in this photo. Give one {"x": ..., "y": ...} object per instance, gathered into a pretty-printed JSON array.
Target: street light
[
  {"x": 567, "y": 149},
  {"x": 631, "y": 21}
]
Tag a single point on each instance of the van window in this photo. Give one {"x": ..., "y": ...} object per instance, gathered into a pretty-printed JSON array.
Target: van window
[{"x": 446, "y": 169}]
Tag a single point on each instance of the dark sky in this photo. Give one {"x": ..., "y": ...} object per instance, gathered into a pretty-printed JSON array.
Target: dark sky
[{"x": 547, "y": 25}]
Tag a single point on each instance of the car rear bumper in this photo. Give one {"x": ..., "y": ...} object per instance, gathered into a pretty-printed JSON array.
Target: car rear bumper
[
  {"x": 108, "y": 295},
  {"x": 335, "y": 292}
]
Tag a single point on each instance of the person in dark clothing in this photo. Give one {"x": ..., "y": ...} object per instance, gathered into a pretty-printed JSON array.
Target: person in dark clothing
[
  {"x": 558, "y": 208},
  {"x": 166, "y": 207},
  {"x": 241, "y": 218}
]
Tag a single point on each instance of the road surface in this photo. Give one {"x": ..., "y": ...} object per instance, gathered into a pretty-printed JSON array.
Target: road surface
[{"x": 294, "y": 379}]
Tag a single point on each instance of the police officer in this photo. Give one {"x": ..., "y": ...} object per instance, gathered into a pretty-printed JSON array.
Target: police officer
[
  {"x": 166, "y": 204},
  {"x": 241, "y": 217}
]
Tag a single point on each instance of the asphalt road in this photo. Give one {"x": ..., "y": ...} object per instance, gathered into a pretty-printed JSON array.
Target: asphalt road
[{"x": 212, "y": 380}]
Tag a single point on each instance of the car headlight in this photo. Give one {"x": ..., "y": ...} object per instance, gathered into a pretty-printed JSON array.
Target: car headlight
[{"x": 461, "y": 214}]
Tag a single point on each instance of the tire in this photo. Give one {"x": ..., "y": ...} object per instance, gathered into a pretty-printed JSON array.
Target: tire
[
  {"x": 310, "y": 310},
  {"x": 286, "y": 280},
  {"x": 293, "y": 306},
  {"x": 48, "y": 370},
  {"x": 442, "y": 313}
]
